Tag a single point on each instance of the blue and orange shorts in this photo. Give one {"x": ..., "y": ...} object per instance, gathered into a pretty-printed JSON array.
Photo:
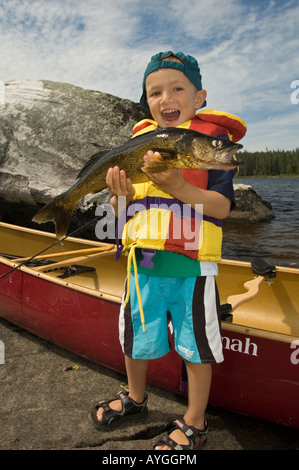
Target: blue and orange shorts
[{"x": 188, "y": 308}]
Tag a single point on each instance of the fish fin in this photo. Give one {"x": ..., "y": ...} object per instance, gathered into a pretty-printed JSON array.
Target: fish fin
[
  {"x": 91, "y": 162},
  {"x": 58, "y": 212}
]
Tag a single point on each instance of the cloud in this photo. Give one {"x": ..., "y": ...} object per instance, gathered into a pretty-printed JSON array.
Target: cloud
[
  {"x": 248, "y": 51},
  {"x": 273, "y": 133}
]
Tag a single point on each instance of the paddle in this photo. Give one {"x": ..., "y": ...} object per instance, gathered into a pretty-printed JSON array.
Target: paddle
[
  {"x": 65, "y": 253},
  {"x": 78, "y": 259}
]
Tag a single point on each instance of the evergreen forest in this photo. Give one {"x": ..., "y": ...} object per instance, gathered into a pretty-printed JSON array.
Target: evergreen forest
[{"x": 270, "y": 163}]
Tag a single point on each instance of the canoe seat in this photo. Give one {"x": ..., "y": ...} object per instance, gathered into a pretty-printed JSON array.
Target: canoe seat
[
  {"x": 225, "y": 312},
  {"x": 9, "y": 256},
  {"x": 262, "y": 268},
  {"x": 34, "y": 263},
  {"x": 76, "y": 269}
]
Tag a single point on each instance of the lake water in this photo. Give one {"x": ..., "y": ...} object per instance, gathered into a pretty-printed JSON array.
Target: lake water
[{"x": 277, "y": 240}]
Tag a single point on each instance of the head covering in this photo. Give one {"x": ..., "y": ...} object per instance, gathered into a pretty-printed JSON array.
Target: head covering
[{"x": 188, "y": 65}]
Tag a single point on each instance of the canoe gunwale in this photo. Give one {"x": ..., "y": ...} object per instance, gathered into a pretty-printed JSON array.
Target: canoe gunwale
[{"x": 259, "y": 333}]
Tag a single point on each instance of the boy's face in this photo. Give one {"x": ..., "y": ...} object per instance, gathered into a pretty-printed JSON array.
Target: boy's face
[{"x": 171, "y": 97}]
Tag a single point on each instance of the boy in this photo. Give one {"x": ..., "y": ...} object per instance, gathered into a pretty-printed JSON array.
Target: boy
[{"x": 180, "y": 280}]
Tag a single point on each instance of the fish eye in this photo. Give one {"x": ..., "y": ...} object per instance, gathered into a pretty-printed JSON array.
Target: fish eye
[{"x": 217, "y": 143}]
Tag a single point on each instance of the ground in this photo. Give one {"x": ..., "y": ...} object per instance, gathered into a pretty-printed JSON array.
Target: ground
[{"x": 44, "y": 407}]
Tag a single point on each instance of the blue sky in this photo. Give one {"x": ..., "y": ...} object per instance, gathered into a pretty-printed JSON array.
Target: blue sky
[{"x": 248, "y": 51}]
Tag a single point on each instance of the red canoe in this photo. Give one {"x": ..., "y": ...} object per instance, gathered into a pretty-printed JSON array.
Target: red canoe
[{"x": 70, "y": 296}]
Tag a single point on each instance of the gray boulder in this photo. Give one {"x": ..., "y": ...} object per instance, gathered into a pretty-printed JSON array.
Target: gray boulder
[
  {"x": 48, "y": 131},
  {"x": 250, "y": 205}
]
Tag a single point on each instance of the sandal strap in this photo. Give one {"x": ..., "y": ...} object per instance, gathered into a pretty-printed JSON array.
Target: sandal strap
[
  {"x": 129, "y": 407},
  {"x": 165, "y": 440},
  {"x": 196, "y": 437}
]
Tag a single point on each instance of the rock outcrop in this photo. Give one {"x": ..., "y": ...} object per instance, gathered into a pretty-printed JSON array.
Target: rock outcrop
[
  {"x": 250, "y": 205},
  {"x": 49, "y": 130}
]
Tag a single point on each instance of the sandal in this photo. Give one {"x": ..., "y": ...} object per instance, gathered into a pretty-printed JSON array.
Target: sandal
[
  {"x": 131, "y": 411},
  {"x": 196, "y": 437}
]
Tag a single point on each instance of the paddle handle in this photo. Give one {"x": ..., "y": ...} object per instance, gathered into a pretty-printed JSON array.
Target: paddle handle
[
  {"x": 76, "y": 260},
  {"x": 252, "y": 287},
  {"x": 65, "y": 253}
]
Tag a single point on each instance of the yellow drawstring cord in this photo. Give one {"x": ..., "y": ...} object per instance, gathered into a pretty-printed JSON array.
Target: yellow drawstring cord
[{"x": 132, "y": 256}]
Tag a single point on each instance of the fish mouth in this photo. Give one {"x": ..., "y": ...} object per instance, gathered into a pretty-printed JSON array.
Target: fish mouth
[{"x": 229, "y": 157}]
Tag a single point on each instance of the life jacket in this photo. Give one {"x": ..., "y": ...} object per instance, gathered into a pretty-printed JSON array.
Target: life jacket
[
  {"x": 155, "y": 220},
  {"x": 209, "y": 122}
]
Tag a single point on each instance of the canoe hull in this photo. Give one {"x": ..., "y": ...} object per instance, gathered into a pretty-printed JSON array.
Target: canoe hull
[
  {"x": 264, "y": 385},
  {"x": 259, "y": 376}
]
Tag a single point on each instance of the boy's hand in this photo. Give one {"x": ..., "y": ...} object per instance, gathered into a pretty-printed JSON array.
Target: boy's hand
[
  {"x": 170, "y": 180},
  {"x": 118, "y": 183}
]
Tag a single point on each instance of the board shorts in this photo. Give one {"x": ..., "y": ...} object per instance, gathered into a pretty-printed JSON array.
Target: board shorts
[{"x": 187, "y": 307}]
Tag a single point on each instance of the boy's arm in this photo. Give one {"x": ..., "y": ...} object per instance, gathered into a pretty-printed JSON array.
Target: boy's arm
[
  {"x": 215, "y": 205},
  {"x": 172, "y": 182}
]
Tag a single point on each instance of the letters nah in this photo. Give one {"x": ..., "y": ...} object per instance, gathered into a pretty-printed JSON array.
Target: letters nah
[
  {"x": 247, "y": 347},
  {"x": 237, "y": 345}
]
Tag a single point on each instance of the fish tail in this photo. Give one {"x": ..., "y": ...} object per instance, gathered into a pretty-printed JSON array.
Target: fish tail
[{"x": 56, "y": 211}]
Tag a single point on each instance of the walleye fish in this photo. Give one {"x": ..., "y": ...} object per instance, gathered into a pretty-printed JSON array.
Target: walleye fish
[{"x": 178, "y": 147}]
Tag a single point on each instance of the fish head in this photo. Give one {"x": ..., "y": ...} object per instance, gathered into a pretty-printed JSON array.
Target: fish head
[{"x": 214, "y": 153}]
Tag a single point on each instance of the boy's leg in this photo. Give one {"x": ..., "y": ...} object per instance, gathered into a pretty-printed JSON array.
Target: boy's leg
[
  {"x": 199, "y": 383},
  {"x": 154, "y": 344},
  {"x": 136, "y": 374}
]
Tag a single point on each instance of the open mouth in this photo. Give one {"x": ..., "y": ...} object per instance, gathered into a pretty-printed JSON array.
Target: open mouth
[
  {"x": 231, "y": 157},
  {"x": 170, "y": 115}
]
